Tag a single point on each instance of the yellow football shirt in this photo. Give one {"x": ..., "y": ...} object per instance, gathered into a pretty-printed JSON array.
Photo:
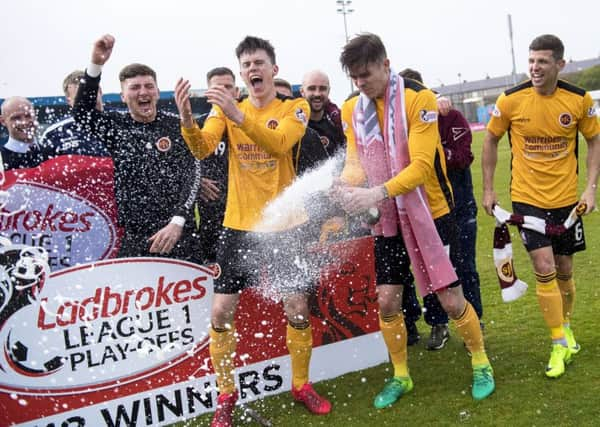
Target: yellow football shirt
[
  {"x": 260, "y": 155},
  {"x": 427, "y": 162},
  {"x": 543, "y": 135}
]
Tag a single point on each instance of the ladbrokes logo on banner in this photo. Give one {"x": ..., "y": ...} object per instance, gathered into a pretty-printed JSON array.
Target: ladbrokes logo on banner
[
  {"x": 140, "y": 316},
  {"x": 66, "y": 206},
  {"x": 72, "y": 229}
]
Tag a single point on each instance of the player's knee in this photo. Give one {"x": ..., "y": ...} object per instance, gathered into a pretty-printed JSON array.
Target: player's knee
[
  {"x": 222, "y": 316},
  {"x": 452, "y": 304},
  {"x": 388, "y": 304}
]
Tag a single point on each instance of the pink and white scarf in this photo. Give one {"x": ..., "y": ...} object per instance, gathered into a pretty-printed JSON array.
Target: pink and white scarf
[{"x": 383, "y": 156}]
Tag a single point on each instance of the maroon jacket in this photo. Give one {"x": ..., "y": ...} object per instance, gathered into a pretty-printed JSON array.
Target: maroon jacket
[{"x": 456, "y": 139}]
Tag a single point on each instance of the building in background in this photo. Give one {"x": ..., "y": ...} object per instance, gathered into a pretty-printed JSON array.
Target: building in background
[{"x": 475, "y": 99}]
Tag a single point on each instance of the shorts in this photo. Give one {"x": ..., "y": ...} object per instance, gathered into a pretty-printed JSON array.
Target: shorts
[
  {"x": 571, "y": 241},
  {"x": 392, "y": 263},
  {"x": 248, "y": 258}
]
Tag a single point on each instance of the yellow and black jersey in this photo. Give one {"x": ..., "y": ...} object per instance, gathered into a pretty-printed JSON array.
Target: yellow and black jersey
[
  {"x": 427, "y": 162},
  {"x": 260, "y": 155},
  {"x": 543, "y": 135}
]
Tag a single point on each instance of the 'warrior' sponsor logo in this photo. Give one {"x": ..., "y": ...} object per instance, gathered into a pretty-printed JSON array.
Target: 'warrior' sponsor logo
[
  {"x": 565, "y": 119},
  {"x": 496, "y": 112},
  {"x": 545, "y": 143},
  {"x": 428, "y": 116}
]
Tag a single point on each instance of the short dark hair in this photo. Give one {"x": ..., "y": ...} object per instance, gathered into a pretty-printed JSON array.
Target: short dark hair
[
  {"x": 219, "y": 71},
  {"x": 366, "y": 48},
  {"x": 134, "y": 70},
  {"x": 73, "y": 78},
  {"x": 277, "y": 82},
  {"x": 251, "y": 44},
  {"x": 409, "y": 73},
  {"x": 549, "y": 42}
]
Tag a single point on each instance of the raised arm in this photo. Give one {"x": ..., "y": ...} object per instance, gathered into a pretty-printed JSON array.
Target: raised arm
[{"x": 84, "y": 110}]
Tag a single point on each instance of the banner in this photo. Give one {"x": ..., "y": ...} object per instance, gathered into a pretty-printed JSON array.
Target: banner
[
  {"x": 66, "y": 205},
  {"x": 125, "y": 341},
  {"x": 89, "y": 340}
]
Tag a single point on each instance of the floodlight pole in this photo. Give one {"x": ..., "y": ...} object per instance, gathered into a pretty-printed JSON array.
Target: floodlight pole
[
  {"x": 343, "y": 7},
  {"x": 512, "y": 50}
]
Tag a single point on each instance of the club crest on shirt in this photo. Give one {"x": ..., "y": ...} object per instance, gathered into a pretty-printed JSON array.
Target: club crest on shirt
[
  {"x": 565, "y": 119},
  {"x": 300, "y": 115},
  {"x": 324, "y": 141},
  {"x": 163, "y": 144},
  {"x": 428, "y": 116},
  {"x": 272, "y": 124}
]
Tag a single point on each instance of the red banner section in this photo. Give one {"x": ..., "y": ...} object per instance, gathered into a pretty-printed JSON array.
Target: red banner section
[
  {"x": 66, "y": 205},
  {"x": 102, "y": 341}
]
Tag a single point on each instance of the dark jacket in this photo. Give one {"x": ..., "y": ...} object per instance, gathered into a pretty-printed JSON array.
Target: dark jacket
[{"x": 156, "y": 176}]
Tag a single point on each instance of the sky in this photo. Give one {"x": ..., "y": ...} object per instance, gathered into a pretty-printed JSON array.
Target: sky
[{"x": 42, "y": 41}]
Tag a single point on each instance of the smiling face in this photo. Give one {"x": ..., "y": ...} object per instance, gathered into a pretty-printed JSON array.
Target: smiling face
[
  {"x": 257, "y": 72},
  {"x": 315, "y": 89},
  {"x": 18, "y": 115},
  {"x": 141, "y": 94},
  {"x": 544, "y": 69}
]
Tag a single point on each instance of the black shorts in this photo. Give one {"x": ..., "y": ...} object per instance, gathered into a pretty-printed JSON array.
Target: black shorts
[
  {"x": 571, "y": 241},
  {"x": 247, "y": 258},
  {"x": 392, "y": 263}
]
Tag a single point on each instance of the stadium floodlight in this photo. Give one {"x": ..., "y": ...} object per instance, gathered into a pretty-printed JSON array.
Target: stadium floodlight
[{"x": 343, "y": 7}]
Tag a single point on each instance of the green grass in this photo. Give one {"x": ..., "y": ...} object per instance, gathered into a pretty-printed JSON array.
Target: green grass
[{"x": 517, "y": 342}]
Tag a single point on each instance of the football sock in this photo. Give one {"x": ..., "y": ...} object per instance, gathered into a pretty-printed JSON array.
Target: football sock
[
  {"x": 299, "y": 344},
  {"x": 469, "y": 328},
  {"x": 566, "y": 285},
  {"x": 550, "y": 302},
  {"x": 222, "y": 348},
  {"x": 394, "y": 334}
]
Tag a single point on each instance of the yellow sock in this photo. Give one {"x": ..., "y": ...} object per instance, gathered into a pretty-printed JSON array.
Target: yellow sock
[
  {"x": 550, "y": 303},
  {"x": 222, "y": 347},
  {"x": 469, "y": 328},
  {"x": 299, "y": 344},
  {"x": 566, "y": 284},
  {"x": 394, "y": 334}
]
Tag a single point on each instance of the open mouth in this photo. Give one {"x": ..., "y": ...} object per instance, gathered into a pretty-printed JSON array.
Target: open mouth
[
  {"x": 256, "y": 81},
  {"x": 145, "y": 104}
]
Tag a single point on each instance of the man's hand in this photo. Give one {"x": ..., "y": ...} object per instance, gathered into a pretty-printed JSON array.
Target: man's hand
[
  {"x": 209, "y": 189},
  {"x": 589, "y": 198},
  {"x": 489, "y": 200},
  {"x": 220, "y": 96},
  {"x": 182, "y": 99},
  {"x": 358, "y": 199},
  {"x": 165, "y": 239},
  {"x": 102, "y": 49}
]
